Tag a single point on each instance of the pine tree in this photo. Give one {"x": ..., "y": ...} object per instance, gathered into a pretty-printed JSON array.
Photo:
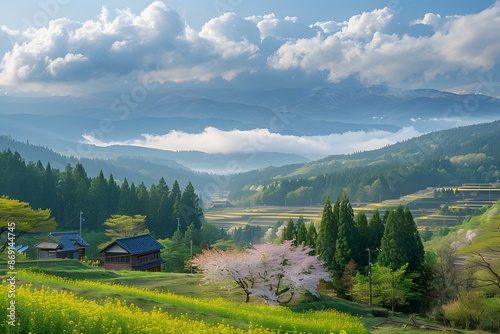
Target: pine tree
[
  {"x": 346, "y": 237},
  {"x": 325, "y": 242},
  {"x": 401, "y": 242},
  {"x": 49, "y": 189},
  {"x": 113, "y": 196},
  {"x": 289, "y": 231},
  {"x": 312, "y": 235},
  {"x": 390, "y": 255},
  {"x": 142, "y": 197},
  {"x": 416, "y": 253},
  {"x": 376, "y": 228},
  {"x": 68, "y": 193},
  {"x": 301, "y": 234},
  {"x": 362, "y": 232},
  {"x": 99, "y": 209},
  {"x": 124, "y": 202},
  {"x": 190, "y": 210},
  {"x": 175, "y": 199}
]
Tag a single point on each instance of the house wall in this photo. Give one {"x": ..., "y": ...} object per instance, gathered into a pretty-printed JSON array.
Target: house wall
[
  {"x": 46, "y": 254},
  {"x": 118, "y": 261}
]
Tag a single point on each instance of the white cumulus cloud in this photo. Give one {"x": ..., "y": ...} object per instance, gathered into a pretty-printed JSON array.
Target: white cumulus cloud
[
  {"x": 363, "y": 48},
  {"x": 213, "y": 140},
  {"x": 122, "y": 47},
  {"x": 128, "y": 46}
]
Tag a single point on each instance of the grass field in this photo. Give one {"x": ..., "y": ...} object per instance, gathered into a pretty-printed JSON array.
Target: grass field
[
  {"x": 183, "y": 296},
  {"x": 186, "y": 296}
]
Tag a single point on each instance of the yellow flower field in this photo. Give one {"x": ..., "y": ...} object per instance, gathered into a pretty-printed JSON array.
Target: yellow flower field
[{"x": 47, "y": 310}]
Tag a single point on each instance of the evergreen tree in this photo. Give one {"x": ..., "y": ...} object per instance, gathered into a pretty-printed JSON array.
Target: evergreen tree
[
  {"x": 362, "y": 232},
  {"x": 97, "y": 212},
  {"x": 142, "y": 197},
  {"x": 346, "y": 238},
  {"x": 390, "y": 255},
  {"x": 175, "y": 199},
  {"x": 301, "y": 234},
  {"x": 124, "y": 202},
  {"x": 191, "y": 212},
  {"x": 152, "y": 211},
  {"x": 289, "y": 231},
  {"x": 325, "y": 242},
  {"x": 312, "y": 235},
  {"x": 49, "y": 190},
  {"x": 416, "y": 253},
  {"x": 113, "y": 196},
  {"x": 133, "y": 200},
  {"x": 376, "y": 228},
  {"x": 401, "y": 242},
  {"x": 68, "y": 195}
]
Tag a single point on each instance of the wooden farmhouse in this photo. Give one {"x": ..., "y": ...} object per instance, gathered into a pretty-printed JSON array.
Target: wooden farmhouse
[
  {"x": 140, "y": 252},
  {"x": 62, "y": 245}
]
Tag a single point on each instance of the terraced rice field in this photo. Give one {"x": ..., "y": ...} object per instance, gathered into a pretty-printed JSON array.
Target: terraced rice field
[
  {"x": 261, "y": 216},
  {"x": 266, "y": 216}
]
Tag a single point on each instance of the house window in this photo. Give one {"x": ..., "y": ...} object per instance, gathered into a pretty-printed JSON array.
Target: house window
[{"x": 149, "y": 258}]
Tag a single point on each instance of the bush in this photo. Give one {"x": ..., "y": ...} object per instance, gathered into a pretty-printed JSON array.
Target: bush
[{"x": 466, "y": 311}]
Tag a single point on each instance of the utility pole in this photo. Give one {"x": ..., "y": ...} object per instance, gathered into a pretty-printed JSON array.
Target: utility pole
[
  {"x": 178, "y": 224},
  {"x": 370, "y": 272},
  {"x": 81, "y": 220},
  {"x": 370, "y": 275},
  {"x": 191, "y": 248}
]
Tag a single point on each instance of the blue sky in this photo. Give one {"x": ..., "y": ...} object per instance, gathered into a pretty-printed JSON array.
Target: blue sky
[
  {"x": 69, "y": 47},
  {"x": 75, "y": 47}
]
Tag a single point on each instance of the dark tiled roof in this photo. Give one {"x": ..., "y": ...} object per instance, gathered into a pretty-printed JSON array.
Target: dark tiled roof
[
  {"x": 68, "y": 241},
  {"x": 149, "y": 264},
  {"x": 137, "y": 244}
]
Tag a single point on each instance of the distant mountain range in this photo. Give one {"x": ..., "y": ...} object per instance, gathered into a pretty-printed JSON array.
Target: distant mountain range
[
  {"x": 60, "y": 122},
  {"x": 446, "y": 157}
]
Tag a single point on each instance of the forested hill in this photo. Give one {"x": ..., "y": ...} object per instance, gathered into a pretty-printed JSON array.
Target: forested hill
[
  {"x": 134, "y": 169},
  {"x": 69, "y": 192},
  {"x": 455, "y": 156}
]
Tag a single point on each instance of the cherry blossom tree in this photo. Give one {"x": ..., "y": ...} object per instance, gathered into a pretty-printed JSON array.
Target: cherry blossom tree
[{"x": 275, "y": 273}]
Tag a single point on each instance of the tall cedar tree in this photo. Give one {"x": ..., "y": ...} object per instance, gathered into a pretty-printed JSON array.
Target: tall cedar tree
[
  {"x": 190, "y": 210},
  {"x": 401, "y": 242},
  {"x": 376, "y": 230},
  {"x": 301, "y": 234},
  {"x": 175, "y": 199},
  {"x": 325, "y": 242},
  {"x": 362, "y": 231},
  {"x": 312, "y": 235},
  {"x": 289, "y": 231},
  {"x": 345, "y": 247},
  {"x": 124, "y": 202}
]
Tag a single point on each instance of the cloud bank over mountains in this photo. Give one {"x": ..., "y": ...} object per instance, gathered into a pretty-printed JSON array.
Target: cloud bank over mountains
[
  {"x": 157, "y": 46},
  {"x": 213, "y": 140}
]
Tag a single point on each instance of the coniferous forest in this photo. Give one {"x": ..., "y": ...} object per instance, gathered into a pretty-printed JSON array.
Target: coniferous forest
[{"x": 71, "y": 191}]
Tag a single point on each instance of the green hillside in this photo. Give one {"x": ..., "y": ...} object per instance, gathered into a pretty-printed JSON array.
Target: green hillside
[{"x": 467, "y": 154}]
